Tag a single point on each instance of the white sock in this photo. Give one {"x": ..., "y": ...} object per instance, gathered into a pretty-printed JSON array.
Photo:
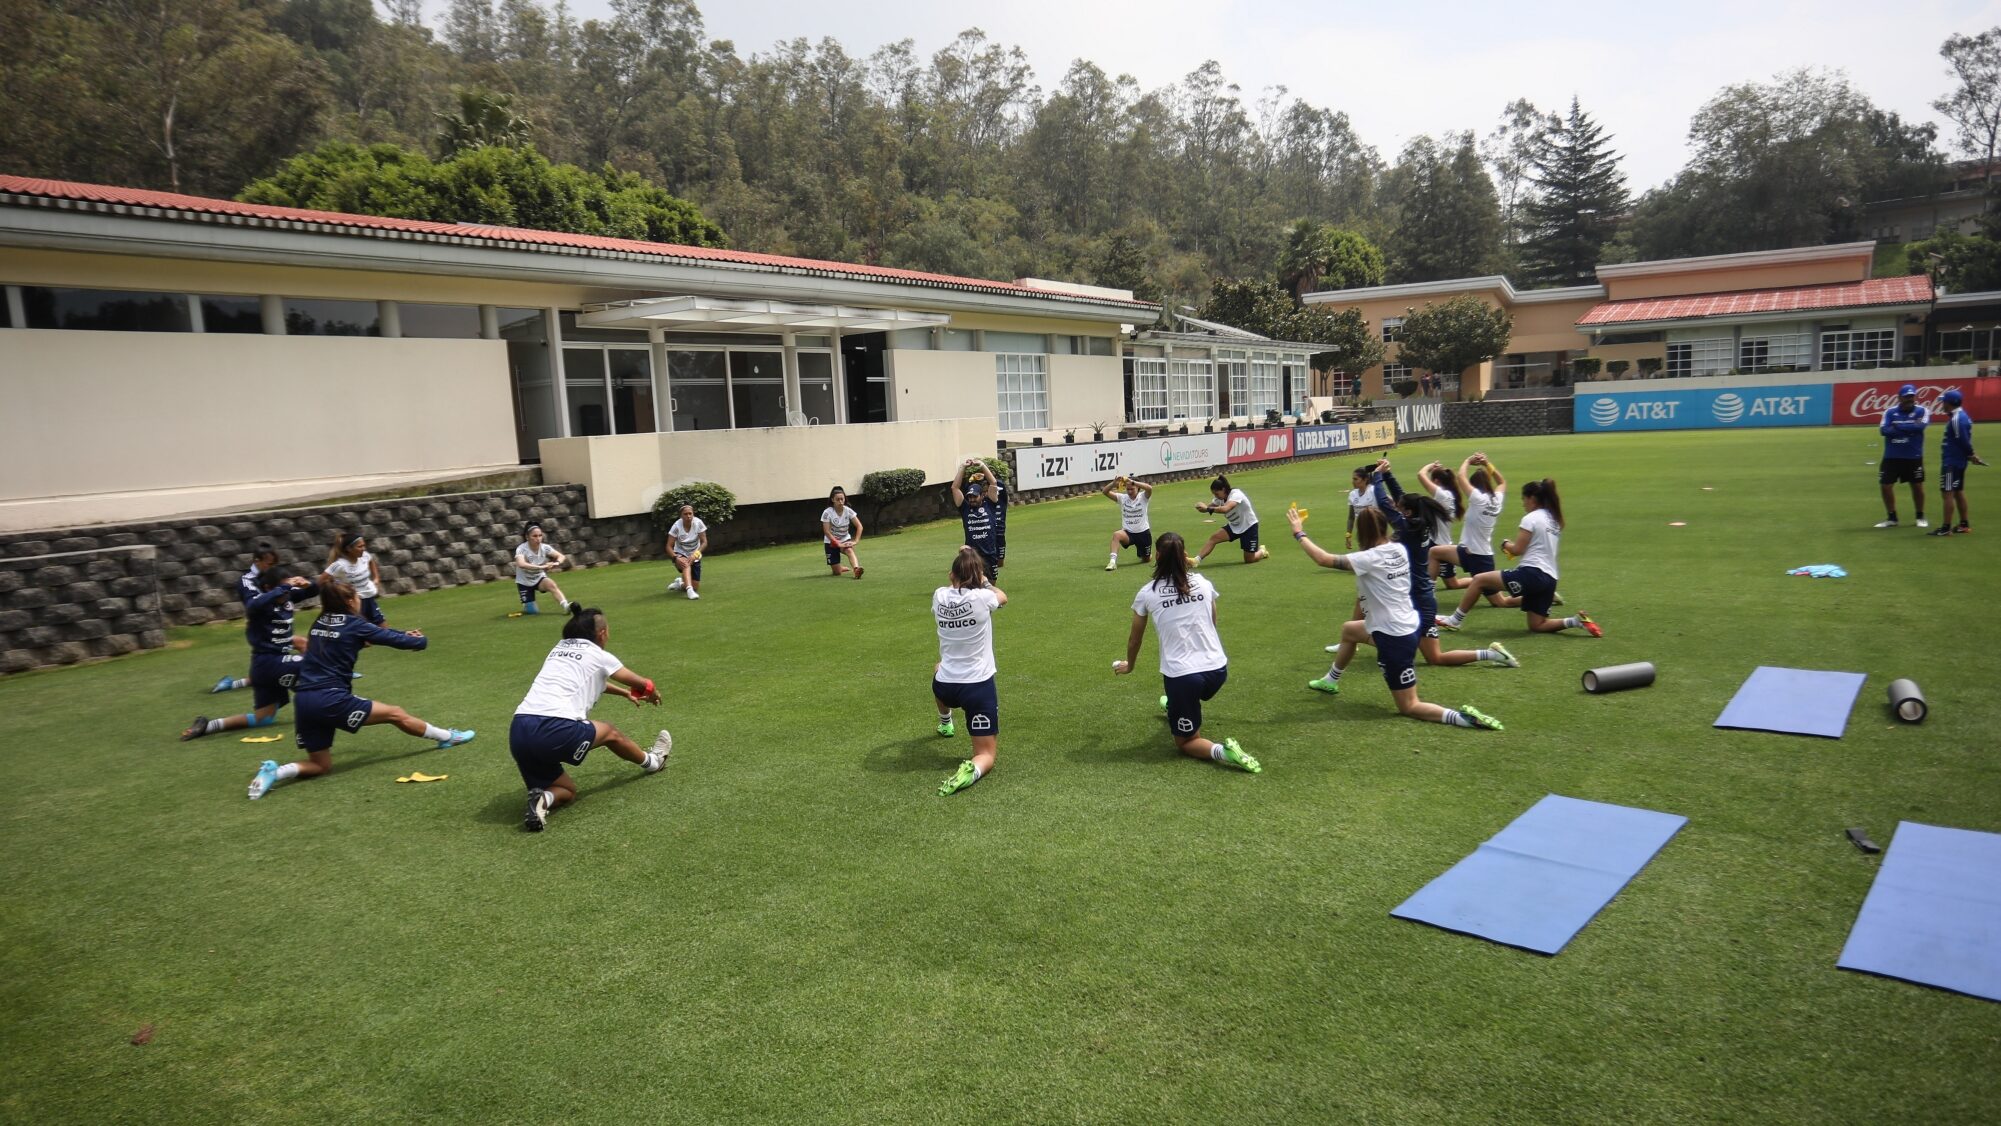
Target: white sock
[
  {"x": 288, "y": 772},
  {"x": 1571, "y": 623},
  {"x": 214, "y": 726},
  {"x": 433, "y": 731},
  {"x": 1333, "y": 672},
  {"x": 1456, "y": 617},
  {"x": 1216, "y": 753},
  {"x": 978, "y": 773},
  {"x": 944, "y": 717},
  {"x": 1485, "y": 655},
  {"x": 239, "y": 682},
  {"x": 1454, "y": 719}
]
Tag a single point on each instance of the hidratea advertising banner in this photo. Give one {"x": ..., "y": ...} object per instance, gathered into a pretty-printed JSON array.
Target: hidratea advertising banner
[
  {"x": 1719, "y": 408},
  {"x": 1863, "y": 404},
  {"x": 1259, "y": 445},
  {"x": 1319, "y": 439},
  {"x": 1088, "y": 463}
]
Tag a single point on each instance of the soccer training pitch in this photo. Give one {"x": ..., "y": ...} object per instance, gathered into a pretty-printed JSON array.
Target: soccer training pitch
[{"x": 788, "y": 924}]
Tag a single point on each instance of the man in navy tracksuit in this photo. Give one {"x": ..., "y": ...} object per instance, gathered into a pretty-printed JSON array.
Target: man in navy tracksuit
[
  {"x": 1903, "y": 454},
  {"x": 1954, "y": 454}
]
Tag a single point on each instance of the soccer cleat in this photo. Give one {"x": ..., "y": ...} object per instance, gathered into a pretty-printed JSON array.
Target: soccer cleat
[
  {"x": 947, "y": 728},
  {"x": 1480, "y": 718},
  {"x": 1163, "y": 704},
  {"x": 455, "y": 738},
  {"x": 1235, "y": 756},
  {"x": 1924, "y": 523},
  {"x": 536, "y": 817},
  {"x": 196, "y": 730},
  {"x": 1507, "y": 660},
  {"x": 692, "y": 596},
  {"x": 1333, "y": 648},
  {"x": 1113, "y": 565},
  {"x": 1943, "y": 530},
  {"x": 858, "y": 572},
  {"x": 1890, "y": 523},
  {"x": 531, "y": 608},
  {"x": 1195, "y": 563},
  {"x": 959, "y": 780},
  {"x": 223, "y": 685},
  {"x": 1325, "y": 684},
  {"x": 1263, "y": 553},
  {"x": 1590, "y": 626},
  {"x": 677, "y": 584},
  {"x": 1445, "y": 623},
  {"x": 1962, "y": 530},
  {"x": 267, "y": 777},
  {"x": 663, "y": 745}
]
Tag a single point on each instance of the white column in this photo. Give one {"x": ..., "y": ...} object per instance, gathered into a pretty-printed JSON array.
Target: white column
[
  {"x": 553, "y": 324},
  {"x": 489, "y": 322},
  {"x": 389, "y": 321},
  {"x": 663, "y": 383},
  {"x": 790, "y": 342},
  {"x": 17, "y": 309},
  {"x": 273, "y": 310},
  {"x": 840, "y": 380},
  {"x": 195, "y": 320}
]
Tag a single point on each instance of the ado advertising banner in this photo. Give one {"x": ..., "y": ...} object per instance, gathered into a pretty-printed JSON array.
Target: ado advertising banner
[
  {"x": 1420, "y": 418},
  {"x": 1259, "y": 445},
  {"x": 1735, "y": 408},
  {"x": 1859, "y": 404},
  {"x": 1088, "y": 463},
  {"x": 1371, "y": 435},
  {"x": 1319, "y": 439}
]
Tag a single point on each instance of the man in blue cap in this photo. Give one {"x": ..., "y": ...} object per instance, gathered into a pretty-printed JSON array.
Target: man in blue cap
[
  {"x": 1955, "y": 452},
  {"x": 1903, "y": 454}
]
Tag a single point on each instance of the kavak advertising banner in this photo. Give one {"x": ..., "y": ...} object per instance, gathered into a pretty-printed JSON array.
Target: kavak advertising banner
[
  {"x": 1088, "y": 463},
  {"x": 1319, "y": 440},
  {"x": 1863, "y": 404},
  {"x": 1420, "y": 418},
  {"x": 1733, "y": 408},
  {"x": 1371, "y": 435},
  {"x": 1259, "y": 445}
]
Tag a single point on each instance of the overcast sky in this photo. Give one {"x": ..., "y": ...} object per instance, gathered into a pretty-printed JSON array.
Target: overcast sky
[{"x": 1407, "y": 67}]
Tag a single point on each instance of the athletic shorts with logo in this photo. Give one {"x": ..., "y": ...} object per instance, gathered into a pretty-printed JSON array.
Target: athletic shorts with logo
[
  {"x": 371, "y": 610},
  {"x": 543, "y": 746},
  {"x": 980, "y": 701},
  {"x": 1951, "y": 478},
  {"x": 1536, "y": 589},
  {"x": 1249, "y": 537},
  {"x": 1142, "y": 542},
  {"x": 1186, "y": 693},
  {"x": 1897, "y": 470},
  {"x": 320, "y": 714},
  {"x": 1397, "y": 657}
]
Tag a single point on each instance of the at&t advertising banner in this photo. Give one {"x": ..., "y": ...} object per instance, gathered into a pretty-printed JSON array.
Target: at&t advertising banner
[
  {"x": 1863, "y": 404},
  {"x": 1721, "y": 408},
  {"x": 1259, "y": 445},
  {"x": 1048, "y": 467}
]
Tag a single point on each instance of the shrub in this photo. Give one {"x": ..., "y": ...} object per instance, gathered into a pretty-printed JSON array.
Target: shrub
[
  {"x": 1272, "y": 417},
  {"x": 1584, "y": 367},
  {"x": 713, "y": 504},
  {"x": 1650, "y": 366},
  {"x": 887, "y": 486},
  {"x": 998, "y": 469},
  {"x": 1404, "y": 388},
  {"x": 1617, "y": 368}
]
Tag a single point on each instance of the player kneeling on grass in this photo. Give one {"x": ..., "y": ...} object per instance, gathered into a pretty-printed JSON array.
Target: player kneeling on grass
[
  {"x": 1389, "y": 621},
  {"x": 1414, "y": 518},
  {"x": 964, "y": 675},
  {"x": 325, "y": 703},
  {"x": 840, "y": 530},
  {"x": 533, "y": 558},
  {"x": 552, "y": 728},
  {"x": 274, "y": 662},
  {"x": 1533, "y": 578},
  {"x": 1240, "y": 521},
  {"x": 687, "y": 539},
  {"x": 1135, "y": 528},
  {"x": 1193, "y": 665}
]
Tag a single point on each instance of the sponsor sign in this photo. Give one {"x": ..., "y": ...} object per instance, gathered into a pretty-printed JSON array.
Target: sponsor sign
[
  {"x": 1420, "y": 418},
  {"x": 1088, "y": 463},
  {"x": 1863, "y": 404},
  {"x": 1371, "y": 435},
  {"x": 1259, "y": 445},
  {"x": 1319, "y": 439},
  {"x": 1720, "y": 408}
]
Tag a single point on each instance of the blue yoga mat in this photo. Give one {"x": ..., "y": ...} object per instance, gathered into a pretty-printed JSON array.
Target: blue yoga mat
[
  {"x": 1933, "y": 915},
  {"x": 1538, "y": 881},
  {"x": 1794, "y": 701}
]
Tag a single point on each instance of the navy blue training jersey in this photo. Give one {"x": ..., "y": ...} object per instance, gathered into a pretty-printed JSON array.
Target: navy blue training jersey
[
  {"x": 1904, "y": 432},
  {"x": 1414, "y": 535},
  {"x": 246, "y": 587},
  {"x": 333, "y": 644},
  {"x": 983, "y": 524},
  {"x": 267, "y": 619}
]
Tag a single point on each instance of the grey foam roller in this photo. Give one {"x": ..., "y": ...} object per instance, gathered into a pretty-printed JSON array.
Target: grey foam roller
[
  {"x": 1908, "y": 701},
  {"x": 1614, "y": 678}
]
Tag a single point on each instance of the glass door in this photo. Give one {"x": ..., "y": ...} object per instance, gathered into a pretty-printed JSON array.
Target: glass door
[
  {"x": 584, "y": 385},
  {"x": 631, "y": 372}
]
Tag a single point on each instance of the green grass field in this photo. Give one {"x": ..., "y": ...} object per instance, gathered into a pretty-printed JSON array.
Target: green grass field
[{"x": 788, "y": 924}]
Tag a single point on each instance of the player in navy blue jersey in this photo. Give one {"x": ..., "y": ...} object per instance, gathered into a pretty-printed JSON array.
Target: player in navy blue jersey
[
  {"x": 1903, "y": 430},
  {"x": 1955, "y": 454},
  {"x": 247, "y": 589},
  {"x": 982, "y": 505},
  {"x": 1413, "y": 518},
  {"x": 326, "y": 704},
  {"x": 274, "y": 655}
]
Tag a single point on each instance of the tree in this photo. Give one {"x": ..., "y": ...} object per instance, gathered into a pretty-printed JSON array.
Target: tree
[
  {"x": 1580, "y": 201},
  {"x": 1508, "y": 150},
  {"x": 1124, "y": 266},
  {"x": 1454, "y": 334},
  {"x": 483, "y": 118},
  {"x": 1251, "y": 304},
  {"x": 1352, "y": 343},
  {"x": 1975, "y": 105},
  {"x": 1448, "y": 219},
  {"x": 1323, "y": 256}
]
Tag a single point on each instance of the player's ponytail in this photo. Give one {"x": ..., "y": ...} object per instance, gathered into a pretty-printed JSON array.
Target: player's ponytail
[
  {"x": 1442, "y": 478},
  {"x": 1544, "y": 492},
  {"x": 1424, "y": 509},
  {"x": 584, "y": 624},
  {"x": 336, "y": 596},
  {"x": 1170, "y": 562},
  {"x": 1372, "y": 527}
]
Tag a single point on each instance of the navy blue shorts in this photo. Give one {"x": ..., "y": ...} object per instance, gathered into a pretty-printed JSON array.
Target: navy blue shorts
[
  {"x": 371, "y": 611},
  {"x": 1951, "y": 478},
  {"x": 528, "y": 592},
  {"x": 991, "y": 562},
  {"x": 543, "y": 745},
  {"x": 1536, "y": 588},
  {"x": 1474, "y": 564},
  {"x": 1141, "y": 542},
  {"x": 272, "y": 676},
  {"x": 1248, "y": 538},
  {"x": 1185, "y": 695},
  {"x": 833, "y": 554},
  {"x": 1425, "y": 602},
  {"x": 1397, "y": 657},
  {"x": 980, "y": 701},
  {"x": 1899, "y": 469},
  {"x": 322, "y": 713}
]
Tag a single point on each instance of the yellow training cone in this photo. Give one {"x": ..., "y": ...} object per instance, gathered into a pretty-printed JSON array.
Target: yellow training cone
[{"x": 262, "y": 738}]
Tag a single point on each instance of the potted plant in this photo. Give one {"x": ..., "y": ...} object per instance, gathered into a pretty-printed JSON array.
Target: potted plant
[
  {"x": 1586, "y": 367},
  {"x": 1037, "y": 440},
  {"x": 1272, "y": 417},
  {"x": 1070, "y": 436},
  {"x": 1617, "y": 368},
  {"x": 1208, "y": 426}
]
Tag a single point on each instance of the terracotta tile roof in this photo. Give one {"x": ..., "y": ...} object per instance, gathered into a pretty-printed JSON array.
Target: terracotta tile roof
[
  {"x": 1914, "y": 290},
  {"x": 115, "y": 200}
]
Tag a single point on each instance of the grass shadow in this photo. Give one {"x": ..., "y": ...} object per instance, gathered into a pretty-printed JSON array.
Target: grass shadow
[
  {"x": 506, "y": 809},
  {"x": 924, "y": 754}
]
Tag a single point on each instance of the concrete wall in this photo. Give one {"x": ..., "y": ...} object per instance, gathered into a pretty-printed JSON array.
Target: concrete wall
[
  {"x": 625, "y": 473},
  {"x": 61, "y": 608}
]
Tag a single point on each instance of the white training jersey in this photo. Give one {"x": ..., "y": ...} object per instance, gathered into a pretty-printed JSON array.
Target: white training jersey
[
  {"x": 573, "y": 676},
  {"x": 1243, "y": 516},
  {"x": 1476, "y": 535},
  {"x": 1382, "y": 582},
  {"x": 686, "y": 537},
  {"x": 533, "y": 557},
  {"x": 355, "y": 574},
  {"x": 1441, "y": 530},
  {"x": 1543, "y": 533},
  {"x": 1187, "y": 625},
  {"x": 841, "y": 522},
  {"x": 1361, "y": 500},
  {"x": 965, "y": 633},
  {"x": 1132, "y": 512}
]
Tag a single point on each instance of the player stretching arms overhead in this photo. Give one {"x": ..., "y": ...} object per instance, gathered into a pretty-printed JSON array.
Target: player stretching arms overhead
[
  {"x": 1534, "y": 578},
  {"x": 981, "y": 502},
  {"x": 1193, "y": 665},
  {"x": 552, "y": 728},
  {"x": 1135, "y": 529},
  {"x": 1412, "y": 518},
  {"x": 964, "y": 675},
  {"x": 274, "y": 660}
]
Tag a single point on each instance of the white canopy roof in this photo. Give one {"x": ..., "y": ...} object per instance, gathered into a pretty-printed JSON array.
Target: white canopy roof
[{"x": 720, "y": 314}]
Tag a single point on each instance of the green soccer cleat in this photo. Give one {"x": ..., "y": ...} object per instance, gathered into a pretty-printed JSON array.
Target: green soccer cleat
[
  {"x": 1163, "y": 703},
  {"x": 960, "y": 780},
  {"x": 1480, "y": 718},
  {"x": 1235, "y": 756},
  {"x": 947, "y": 728},
  {"x": 1325, "y": 684},
  {"x": 1507, "y": 660}
]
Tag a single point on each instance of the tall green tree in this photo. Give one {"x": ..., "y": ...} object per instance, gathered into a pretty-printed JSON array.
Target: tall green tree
[
  {"x": 1448, "y": 219},
  {"x": 1322, "y": 256},
  {"x": 1509, "y": 150},
  {"x": 1579, "y": 202},
  {"x": 1974, "y": 106},
  {"x": 483, "y": 118},
  {"x": 1454, "y": 334}
]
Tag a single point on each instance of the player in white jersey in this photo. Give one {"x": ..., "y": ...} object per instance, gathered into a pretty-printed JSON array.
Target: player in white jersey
[
  {"x": 687, "y": 539},
  {"x": 1193, "y": 665},
  {"x": 1389, "y": 621},
  {"x": 963, "y": 678},
  {"x": 840, "y": 531},
  {"x": 1445, "y": 490},
  {"x": 1240, "y": 521},
  {"x": 1135, "y": 527},
  {"x": 1532, "y": 582},
  {"x": 1361, "y": 498},
  {"x": 348, "y": 560},
  {"x": 534, "y": 558},
  {"x": 552, "y": 728}
]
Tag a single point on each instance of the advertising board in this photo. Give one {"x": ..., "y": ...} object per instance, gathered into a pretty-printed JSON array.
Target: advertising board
[
  {"x": 1863, "y": 404},
  {"x": 1371, "y": 435},
  {"x": 1260, "y": 445},
  {"x": 1088, "y": 463},
  {"x": 1319, "y": 439},
  {"x": 1420, "y": 418},
  {"x": 1734, "y": 408}
]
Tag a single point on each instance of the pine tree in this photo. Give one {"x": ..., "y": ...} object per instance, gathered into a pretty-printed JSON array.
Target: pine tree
[{"x": 1580, "y": 202}]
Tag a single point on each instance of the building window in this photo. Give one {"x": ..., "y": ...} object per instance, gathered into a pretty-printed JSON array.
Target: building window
[
  {"x": 698, "y": 388},
  {"x": 1445, "y": 383},
  {"x": 757, "y": 388},
  {"x": 1394, "y": 374},
  {"x": 105, "y": 310},
  {"x": 1022, "y": 382},
  {"x": 1264, "y": 396},
  {"x": 438, "y": 322},
  {"x": 962, "y": 340},
  {"x": 1296, "y": 386},
  {"x": 1391, "y": 327},
  {"x": 1608, "y": 338},
  {"x": 816, "y": 388},
  {"x": 1191, "y": 389},
  {"x": 1970, "y": 343},
  {"x": 1762, "y": 353},
  {"x": 1149, "y": 390},
  {"x": 1709, "y": 356},
  {"x": 1842, "y": 350},
  {"x": 232, "y": 314},
  {"x": 1097, "y": 346},
  {"x": 1341, "y": 385},
  {"x": 1020, "y": 343},
  {"x": 313, "y": 317}
]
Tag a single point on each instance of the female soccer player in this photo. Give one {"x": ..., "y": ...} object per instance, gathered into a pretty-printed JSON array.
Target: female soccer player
[
  {"x": 1533, "y": 578},
  {"x": 1361, "y": 498},
  {"x": 1485, "y": 497},
  {"x": 981, "y": 505},
  {"x": 247, "y": 589},
  {"x": 274, "y": 660},
  {"x": 349, "y": 561},
  {"x": 1389, "y": 623},
  {"x": 1413, "y": 519},
  {"x": 1135, "y": 530},
  {"x": 327, "y": 705},
  {"x": 552, "y": 728},
  {"x": 964, "y": 675},
  {"x": 1240, "y": 521},
  {"x": 534, "y": 557},
  {"x": 841, "y": 529},
  {"x": 687, "y": 539},
  {"x": 1193, "y": 665},
  {"x": 1444, "y": 490}
]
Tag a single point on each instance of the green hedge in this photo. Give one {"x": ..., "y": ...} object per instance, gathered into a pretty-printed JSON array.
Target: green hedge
[{"x": 713, "y": 503}]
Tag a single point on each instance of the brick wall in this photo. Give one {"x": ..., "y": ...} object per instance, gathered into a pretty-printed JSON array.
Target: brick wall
[
  {"x": 63, "y": 607},
  {"x": 1502, "y": 418}
]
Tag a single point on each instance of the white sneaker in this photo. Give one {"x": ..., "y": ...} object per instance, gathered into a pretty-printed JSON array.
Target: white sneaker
[
  {"x": 677, "y": 584},
  {"x": 1924, "y": 523},
  {"x": 692, "y": 596},
  {"x": 663, "y": 745},
  {"x": 1333, "y": 648},
  {"x": 1890, "y": 523},
  {"x": 1113, "y": 565}
]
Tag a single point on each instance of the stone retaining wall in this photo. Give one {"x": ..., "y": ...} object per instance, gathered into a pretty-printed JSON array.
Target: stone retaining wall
[
  {"x": 63, "y": 607},
  {"x": 1504, "y": 418}
]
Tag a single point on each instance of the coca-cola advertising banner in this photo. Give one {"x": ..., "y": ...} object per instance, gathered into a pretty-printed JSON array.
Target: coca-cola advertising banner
[
  {"x": 1259, "y": 445},
  {"x": 1863, "y": 404}
]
